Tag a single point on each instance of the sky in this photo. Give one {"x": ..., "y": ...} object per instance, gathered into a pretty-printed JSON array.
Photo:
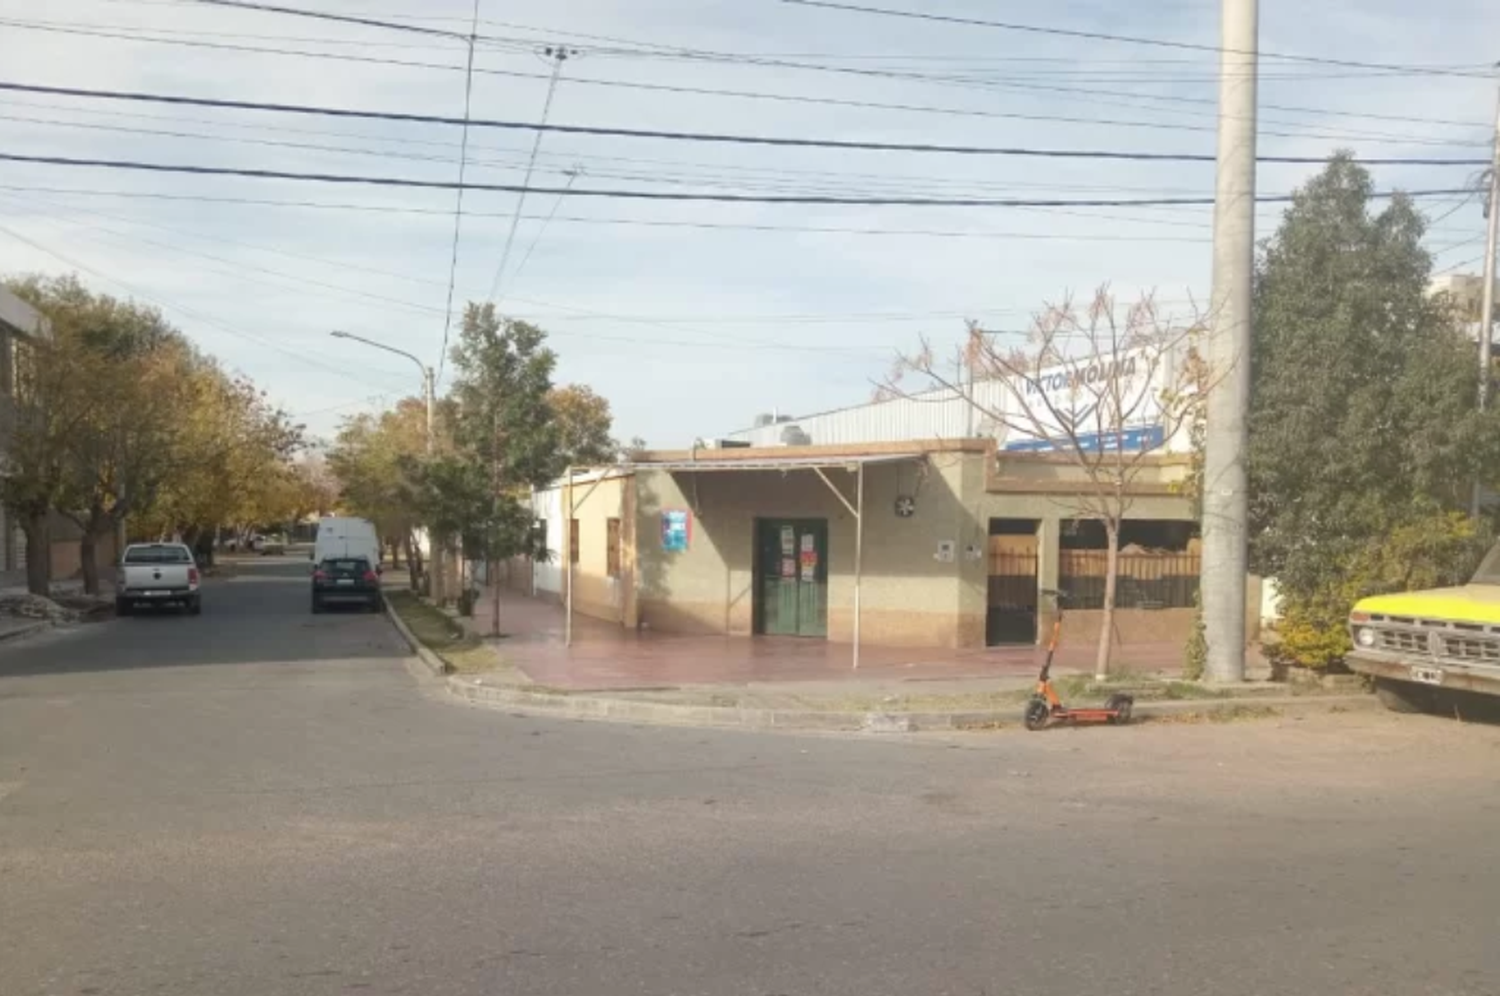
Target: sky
[{"x": 690, "y": 317}]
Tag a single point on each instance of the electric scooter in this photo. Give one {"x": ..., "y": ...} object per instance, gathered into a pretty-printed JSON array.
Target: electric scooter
[{"x": 1044, "y": 708}]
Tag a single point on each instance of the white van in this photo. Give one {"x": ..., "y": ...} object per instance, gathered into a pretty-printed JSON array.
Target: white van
[{"x": 345, "y": 537}]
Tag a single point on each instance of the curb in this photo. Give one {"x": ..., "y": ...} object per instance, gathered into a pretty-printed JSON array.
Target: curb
[
  {"x": 24, "y": 631},
  {"x": 666, "y": 714},
  {"x": 434, "y": 663}
]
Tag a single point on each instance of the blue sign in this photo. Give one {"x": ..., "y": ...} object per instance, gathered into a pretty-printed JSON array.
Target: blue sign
[
  {"x": 1145, "y": 437},
  {"x": 676, "y": 530}
]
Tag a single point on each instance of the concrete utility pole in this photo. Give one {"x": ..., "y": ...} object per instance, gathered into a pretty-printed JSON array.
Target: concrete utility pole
[
  {"x": 429, "y": 391},
  {"x": 1487, "y": 293},
  {"x": 1225, "y": 498}
]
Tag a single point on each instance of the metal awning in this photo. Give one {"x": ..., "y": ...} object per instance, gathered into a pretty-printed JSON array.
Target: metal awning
[
  {"x": 778, "y": 463},
  {"x": 817, "y": 464}
]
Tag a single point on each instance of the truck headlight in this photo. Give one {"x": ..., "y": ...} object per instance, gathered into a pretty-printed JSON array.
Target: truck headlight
[{"x": 1365, "y": 637}]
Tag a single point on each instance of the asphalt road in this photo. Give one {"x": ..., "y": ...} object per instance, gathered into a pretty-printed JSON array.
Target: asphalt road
[{"x": 258, "y": 801}]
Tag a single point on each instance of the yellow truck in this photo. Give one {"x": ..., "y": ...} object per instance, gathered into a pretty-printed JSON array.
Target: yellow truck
[{"x": 1419, "y": 645}]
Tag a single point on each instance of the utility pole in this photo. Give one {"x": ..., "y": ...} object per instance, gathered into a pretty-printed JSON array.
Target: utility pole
[
  {"x": 1225, "y": 498},
  {"x": 1487, "y": 293}
]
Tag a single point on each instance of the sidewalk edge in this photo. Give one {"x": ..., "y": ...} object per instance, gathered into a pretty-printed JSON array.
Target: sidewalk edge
[{"x": 597, "y": 707}]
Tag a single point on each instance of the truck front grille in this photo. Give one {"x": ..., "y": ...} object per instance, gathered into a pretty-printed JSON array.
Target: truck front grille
[
  {"x": 1404, "y": 641},
  {"x": 1466, "y": 648}
]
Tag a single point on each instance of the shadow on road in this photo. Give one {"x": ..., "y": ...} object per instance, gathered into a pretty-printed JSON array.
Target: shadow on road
[{"x": 259, "y": 613}]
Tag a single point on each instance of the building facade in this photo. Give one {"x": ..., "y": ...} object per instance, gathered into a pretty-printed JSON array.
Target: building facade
[
  {"x": 939, "y": 543},
  {"x": 22, "y": 328}
]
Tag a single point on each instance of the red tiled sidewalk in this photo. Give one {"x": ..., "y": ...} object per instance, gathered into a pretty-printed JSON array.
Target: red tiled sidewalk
[{"x": 606, "y": 656}]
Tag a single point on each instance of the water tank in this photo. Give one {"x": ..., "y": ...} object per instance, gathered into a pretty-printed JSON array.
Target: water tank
[{"x": 793, "y": 435}]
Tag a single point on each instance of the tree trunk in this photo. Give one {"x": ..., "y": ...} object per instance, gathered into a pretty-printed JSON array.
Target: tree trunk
[
  {"x": 88, "y": 561},
  {"x": 38, "y": 555},
  {"x": 413, "y": 563},
  {"x": 1107, "y": 619},
  {"x": 88, "y": 549},
  {"x": 1112, "y": 560},
  {"x": 493, "y": 577}
]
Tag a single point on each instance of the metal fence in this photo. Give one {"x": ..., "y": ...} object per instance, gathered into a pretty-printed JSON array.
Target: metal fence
[{"x": 1142, "y": 580}]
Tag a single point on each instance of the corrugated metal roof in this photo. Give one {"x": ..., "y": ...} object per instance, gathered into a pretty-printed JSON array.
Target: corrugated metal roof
[{"x": 778, "y": 463}]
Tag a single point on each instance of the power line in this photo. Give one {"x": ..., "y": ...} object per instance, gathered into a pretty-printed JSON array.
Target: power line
[
  {"x": 342, "y": 18},
  {"x": 709, "y": 137},
  {"x": 716, "y": 171},
  {"x": 1093, "y": 95},
  {"x": 558, "y": 57},
  {"x": 653, "y": 195},
  {"x": 458, "y": 207},
  {"x": 1125, "y": 39}
]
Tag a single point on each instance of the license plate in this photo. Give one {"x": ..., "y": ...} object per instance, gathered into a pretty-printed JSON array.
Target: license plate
[
  {"x": 153, "y": 594},
  {"x": 346, "y": 581},
  {"x": 1427, "y": 675}
]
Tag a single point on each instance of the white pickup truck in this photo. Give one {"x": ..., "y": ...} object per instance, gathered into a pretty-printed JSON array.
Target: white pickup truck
[{"x": 157, "y": 574}]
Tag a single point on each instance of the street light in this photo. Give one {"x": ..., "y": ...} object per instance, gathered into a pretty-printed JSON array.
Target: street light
[{"x": 427, "y": 380}]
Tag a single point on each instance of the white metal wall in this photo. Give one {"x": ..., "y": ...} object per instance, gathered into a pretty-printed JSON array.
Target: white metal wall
[
  {"x": 547, "y": 505},
  {"x": 934, "y": 414}
]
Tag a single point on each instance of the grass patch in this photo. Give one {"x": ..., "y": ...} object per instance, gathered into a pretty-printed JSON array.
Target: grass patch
[{"x": 460, "y": 651}]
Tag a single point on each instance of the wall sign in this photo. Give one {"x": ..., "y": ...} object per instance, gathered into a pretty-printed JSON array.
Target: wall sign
[{"x": 676, "y": 530}]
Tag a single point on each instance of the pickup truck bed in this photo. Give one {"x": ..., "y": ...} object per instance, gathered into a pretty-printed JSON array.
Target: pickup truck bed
[{"x": 157, "y": 574}]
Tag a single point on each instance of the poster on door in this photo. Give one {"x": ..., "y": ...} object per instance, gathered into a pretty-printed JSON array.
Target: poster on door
[
  {"x": 788, "y": 541},
  {"x": 809, "y": 557},
  {"x": 788, "y": 568}
]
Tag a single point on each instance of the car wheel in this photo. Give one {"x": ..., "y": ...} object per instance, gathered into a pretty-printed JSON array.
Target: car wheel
[
  {"x": 378, "y": 605},
  {"x": 195, "y": 607},
  {"x": 317, "y": 606},
  {"x": 123, "y": 607},
  {"x": 1403, "y": 697}
]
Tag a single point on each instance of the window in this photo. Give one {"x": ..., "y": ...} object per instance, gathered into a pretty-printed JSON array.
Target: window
[
  {"x": 572, "y": 541},
  {"x": 539, "y": 540},
  {"x": 158, "y": 554},
  {"x": 612, "y": 550}
]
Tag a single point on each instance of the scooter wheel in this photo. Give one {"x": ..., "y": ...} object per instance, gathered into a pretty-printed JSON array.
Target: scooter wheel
[
  {"x": 1036, "y": 714},
  {"x": 1120, "y": 704}
]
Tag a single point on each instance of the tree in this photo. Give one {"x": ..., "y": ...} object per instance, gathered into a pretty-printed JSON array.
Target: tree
[
  {"x": 118, "y": 365},
  {"x": 505, "y": 423},
  {"x": 1364, "y": 422},
  {"x": 583, "y": 423},
  {"x": 1107, "y": 394},
  {"x": 376, "y": 461}
]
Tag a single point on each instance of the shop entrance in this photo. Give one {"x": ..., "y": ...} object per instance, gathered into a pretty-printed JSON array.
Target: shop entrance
[
  {"x": 791, "y": 577},
  {"x": 1012, "y": 611}
]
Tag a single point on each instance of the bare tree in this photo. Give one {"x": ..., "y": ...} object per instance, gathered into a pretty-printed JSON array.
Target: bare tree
[{"x": 1108, "y": 393}]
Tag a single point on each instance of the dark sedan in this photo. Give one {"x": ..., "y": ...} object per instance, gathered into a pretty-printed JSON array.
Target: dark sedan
[{"x": 346, "y": 581}]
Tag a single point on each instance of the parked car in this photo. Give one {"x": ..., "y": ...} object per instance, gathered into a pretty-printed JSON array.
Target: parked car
[
  {"x": 270, "y": 546},
  {"x": 157, "y": 574},
  {"x": 346, "y": 581}
]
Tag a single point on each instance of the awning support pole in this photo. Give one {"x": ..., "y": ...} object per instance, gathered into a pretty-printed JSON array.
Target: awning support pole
[
  {"x": 859, "y": 550},
  {"x": 568, "y": 548}
]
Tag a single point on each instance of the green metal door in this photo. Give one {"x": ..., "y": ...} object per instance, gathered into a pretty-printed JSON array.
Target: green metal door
[{"x": 792, "y": 577}]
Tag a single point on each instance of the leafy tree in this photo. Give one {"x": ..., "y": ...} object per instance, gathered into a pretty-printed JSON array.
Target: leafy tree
[
  {"x": 583, "y": 423},
  {"x": 504, "y": 426},
  {"x": 376, "y": 461},
  {"x": 1364, "y": 423}
]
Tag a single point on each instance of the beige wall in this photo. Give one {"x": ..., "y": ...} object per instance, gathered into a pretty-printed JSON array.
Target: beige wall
[
  {"x": 908, "y": 597},
  {"x": 595, "y": 593}
]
